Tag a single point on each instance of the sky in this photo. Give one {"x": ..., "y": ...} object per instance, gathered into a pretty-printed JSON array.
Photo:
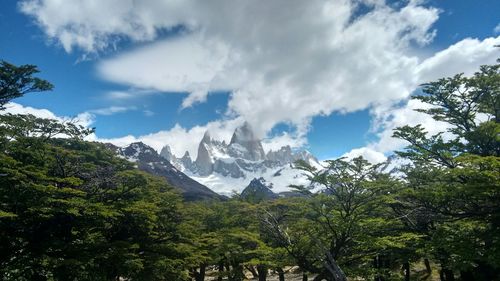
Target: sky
[{"x": 333, "y": 77}]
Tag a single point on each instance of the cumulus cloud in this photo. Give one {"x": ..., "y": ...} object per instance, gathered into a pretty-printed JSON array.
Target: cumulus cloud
[
  {"x": 464, "y": 56},
  {"x": 367, "y": 153},
  {"x": 388, "y": 119},
  {"x": 182, "y": 139},
  {"x": 84, "y": 119},
  {"x": 179, "y": 138},
  {"x": 283, "y": 61},
  {"x": 276, "y": 142}
]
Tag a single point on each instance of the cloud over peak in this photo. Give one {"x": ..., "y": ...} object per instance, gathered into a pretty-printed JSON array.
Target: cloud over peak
[{"x": 283, "y": 61}]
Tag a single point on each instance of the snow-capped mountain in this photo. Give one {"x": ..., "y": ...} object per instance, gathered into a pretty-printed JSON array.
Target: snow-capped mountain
[
  {"x": 148, "y": 160},
  {"x": 225, "y": 168}
]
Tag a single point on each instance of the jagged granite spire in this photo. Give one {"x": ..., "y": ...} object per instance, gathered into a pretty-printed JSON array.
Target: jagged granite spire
[
  {"x": 244, "y": 144},
  {"x": 203, "y": 162},
  {"x": 166, "y": 153}
]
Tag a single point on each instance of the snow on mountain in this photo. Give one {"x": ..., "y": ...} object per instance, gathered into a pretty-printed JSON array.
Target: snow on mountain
[
  {"x": 279, "y": 177},
  {"x": 227, "y": 168}
]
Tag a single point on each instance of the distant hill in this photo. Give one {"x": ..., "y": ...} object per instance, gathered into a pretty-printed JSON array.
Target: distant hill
[{"x": 258, "y": 190}]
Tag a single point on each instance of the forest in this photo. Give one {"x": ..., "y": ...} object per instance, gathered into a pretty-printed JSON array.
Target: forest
[{"x": 71, "y": 209}]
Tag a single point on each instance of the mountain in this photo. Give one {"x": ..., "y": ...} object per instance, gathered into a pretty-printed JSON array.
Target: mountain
[
  {"x": 225, "y": 168},
  {"x": 245, "y": 145},
  {"x": 258, "y": 190},
  {"x": 148, "y": 160}
]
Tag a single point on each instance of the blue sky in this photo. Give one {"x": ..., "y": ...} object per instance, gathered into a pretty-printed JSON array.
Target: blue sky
[{"x": 82, "y": 86}]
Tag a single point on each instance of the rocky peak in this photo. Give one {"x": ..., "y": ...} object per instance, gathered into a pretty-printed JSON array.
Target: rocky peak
[
  {"x": 204, "y": 161},
  {"x": 206, "y": 137},
  {"x": 305, "y": 155},
  {"x": 282, "y": 156},
  {"x": 167, "y": 153},
  {"x": 245, "y": 145},
  {"x": 187, "y": 156},
  {"x": 138, "y": 151},
  {"x": 243, "y": 134},
  {"x": 258, "y": 190},
  {"x": 187, "y": 162}
]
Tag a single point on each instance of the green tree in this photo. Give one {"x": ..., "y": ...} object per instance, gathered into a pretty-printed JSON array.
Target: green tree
[
  {"x": 342, "y": 230},
  {"x": 73, "y": 210},
  {"x": 453, "y": 189},
  {"x": 16, "y": 81}
]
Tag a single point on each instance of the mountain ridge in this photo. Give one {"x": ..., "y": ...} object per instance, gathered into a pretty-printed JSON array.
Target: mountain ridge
[
  {"x": 148, "y": 160},
  {"x": 226, "y": 168}
]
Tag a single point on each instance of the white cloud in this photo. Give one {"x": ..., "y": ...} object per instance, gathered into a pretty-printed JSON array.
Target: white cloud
[
  {"x": 284, "y": 60},
  {"x": 111, "y": 110},
  {"x": 84, "y": 119},
  {"x": 148, "y": 112},
  {"x": 119, "y": 95},
  {"x": 496, "y": 30},
  {"x": 174, "y": 65},
  {"x": 464, "y": 56},
  {"x": 95, "y": 25},
  {"x": 368, "y": 153},
  {"x": 276, "y": 142},
  {"x": 179, "y": 139},
  {"x": 387, "y": 119},
  {"x": 182, "y": 139}
]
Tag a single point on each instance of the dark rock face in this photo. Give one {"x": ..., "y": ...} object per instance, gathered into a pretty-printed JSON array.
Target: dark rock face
[
  {"x": 148, "y": 160},
  {"x": 258, "y": 190}
]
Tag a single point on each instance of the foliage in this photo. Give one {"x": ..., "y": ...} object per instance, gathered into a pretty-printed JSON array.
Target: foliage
[
  {"x": 16, "y": 81},
  {"x": 453, "y": 181}
]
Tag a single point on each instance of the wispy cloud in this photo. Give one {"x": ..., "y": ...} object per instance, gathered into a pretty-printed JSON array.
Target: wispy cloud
[
  {"x": 496, "y": 30},
  {"x": 111, "y": 110},
  {"x": 148, "y": 112}
]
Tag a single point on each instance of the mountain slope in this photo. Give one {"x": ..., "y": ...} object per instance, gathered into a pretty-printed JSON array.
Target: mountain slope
[{"x": 148, "y": 160}]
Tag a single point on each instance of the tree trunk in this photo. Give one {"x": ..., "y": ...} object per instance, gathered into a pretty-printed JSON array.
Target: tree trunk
[
  {"x": 221, "y": 270},
  {"x": 262, "y": 271},
  {"x": 446, "y": 275},
  {"x": 201, "y": 274},
  {"x": 406, "y": 269},
  {"x": 237, "y": 273},
  {"x": 428, "y": 266},
  {"x": 281, "y": 274},
  {"x": 377, "y": 264},
  {"x": 252, "y": 270},
  {"x": 449, "y": 275},
  {"x": 336, "y": 273},
  {"x": 304, "y": 277}
]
